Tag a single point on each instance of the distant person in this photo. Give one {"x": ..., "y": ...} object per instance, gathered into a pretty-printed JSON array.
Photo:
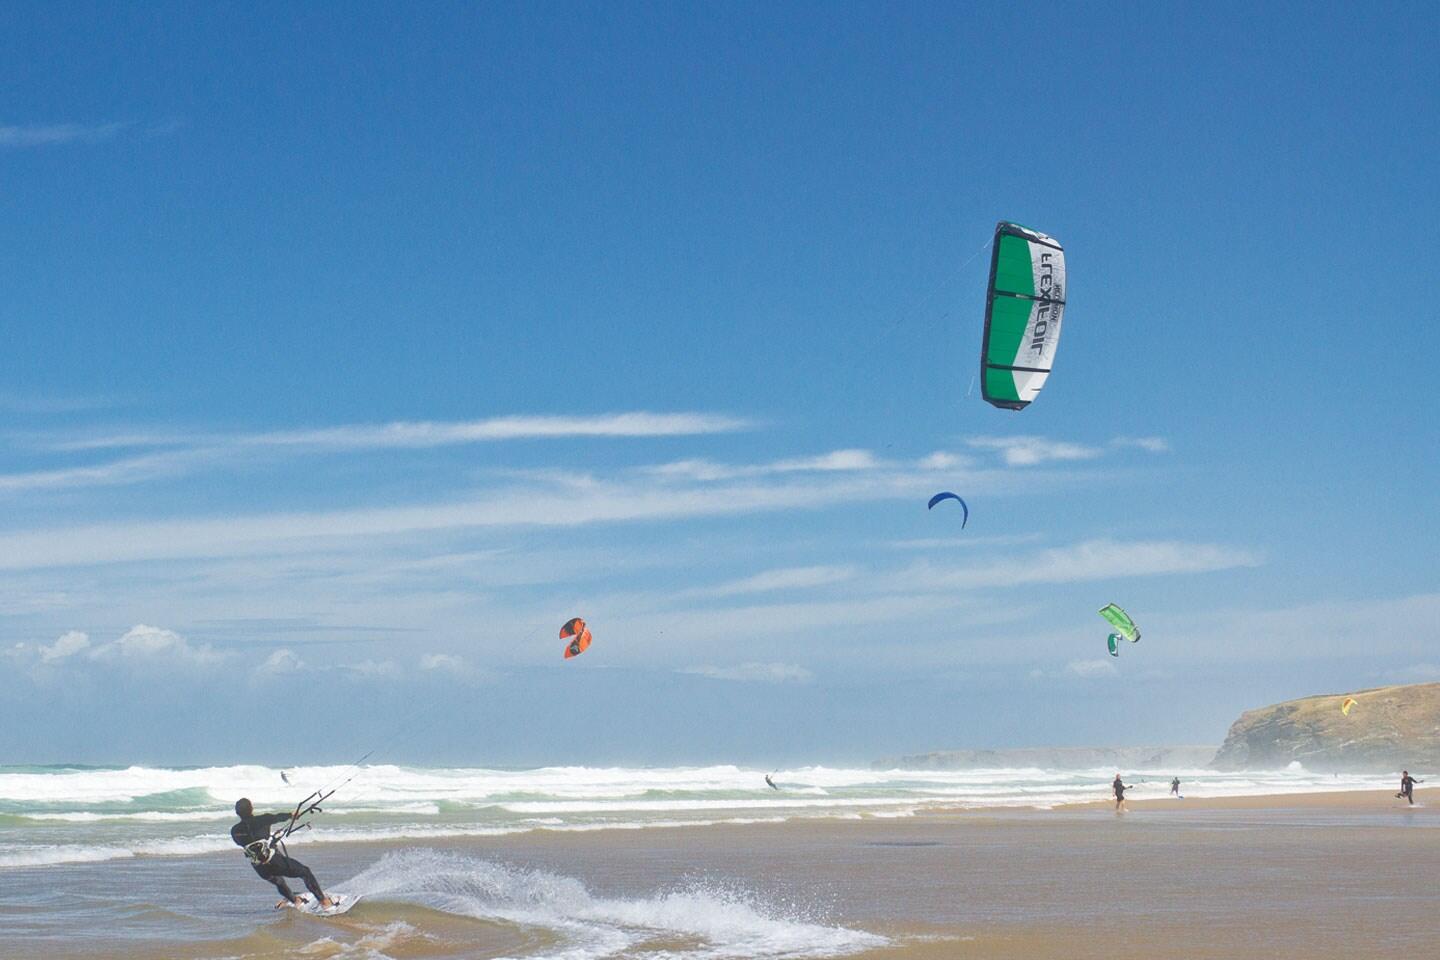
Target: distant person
[
  {"x": 1407, "y": 787},
  {"x": 253, "y": 834},
  {"x": 770, "y": 782},
  {"x": 1120, "y": 787},
  {"x": 1175, "y": 787}
]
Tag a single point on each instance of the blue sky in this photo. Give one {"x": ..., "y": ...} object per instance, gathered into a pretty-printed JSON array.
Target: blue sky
[{"x": 350, "y": 351}]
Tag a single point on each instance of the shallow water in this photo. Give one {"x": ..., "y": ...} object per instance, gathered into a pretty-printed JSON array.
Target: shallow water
[{"x": 133, "y": 871}]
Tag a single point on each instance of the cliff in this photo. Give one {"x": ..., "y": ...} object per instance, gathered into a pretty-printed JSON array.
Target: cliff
[{"x": 1389, "y": 728}]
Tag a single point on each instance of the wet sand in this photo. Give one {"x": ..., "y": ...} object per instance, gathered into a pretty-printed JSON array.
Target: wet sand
[
  {"x": 1308, "y": 877},
  {"x": 1355, "y": 801}
]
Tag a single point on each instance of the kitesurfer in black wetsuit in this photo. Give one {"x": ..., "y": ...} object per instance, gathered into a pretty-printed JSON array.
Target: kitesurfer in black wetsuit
[
  {"x": 253, "y": 834},
  {"x": 1119, "y": 789},
  {"x": 1407, "y": 786},
  {"x": 1175, "y": 787}
]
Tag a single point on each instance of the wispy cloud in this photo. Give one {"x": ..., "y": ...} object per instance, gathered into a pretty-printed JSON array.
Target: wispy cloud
[
  {"x": 419, "y": 434},
  {"x": 706, "y": 470},
  {"x": 950, "y": 543},
  {"x": 1091, "y": 560},
  {"x": 793, "y": 578},
  {"x": 530, "y": 505},
  {"x": 562, "y": 500},
  {"x": 54, "y": 134},
  {"x": 1151, "y": 444},
  {"x": 372, "y": 669},
  {"x": 753, "y": 673},
  {"x": 1091, "y": 669},
  {"x": 1031, "y": 451},
  {"x": 186, "y": 453},
  {"x": 128, "y": 470}
]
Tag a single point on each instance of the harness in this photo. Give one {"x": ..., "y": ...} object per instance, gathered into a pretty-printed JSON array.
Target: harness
[{"x": 260, "y": 852}]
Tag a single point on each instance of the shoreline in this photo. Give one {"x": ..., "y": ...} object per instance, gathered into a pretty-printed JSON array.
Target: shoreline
[
  {"x": 1198, "y": 881},
  {"x": 1347, "y": 800}
]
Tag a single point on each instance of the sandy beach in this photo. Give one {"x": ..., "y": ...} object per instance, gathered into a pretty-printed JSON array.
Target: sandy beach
[{"x": 1311, "y": 876}]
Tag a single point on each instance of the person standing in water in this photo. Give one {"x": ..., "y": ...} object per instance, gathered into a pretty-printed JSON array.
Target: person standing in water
[
  {"x": 253, "y": 834},
  {"x": 1175, "y": 787},
  {"x": 1120, "y": 787},
  {"x": 1407, "y": 787}
]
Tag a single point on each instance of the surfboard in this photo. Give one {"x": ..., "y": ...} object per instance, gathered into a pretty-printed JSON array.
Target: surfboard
[{"x": 343, "y": 903}]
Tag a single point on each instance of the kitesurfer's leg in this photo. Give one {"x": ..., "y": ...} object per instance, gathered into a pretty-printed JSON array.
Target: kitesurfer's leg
[
  {"x": 289, "y": 867},
  {"x": 311, "y": 884},
  {"x": 277, "y": 879}
]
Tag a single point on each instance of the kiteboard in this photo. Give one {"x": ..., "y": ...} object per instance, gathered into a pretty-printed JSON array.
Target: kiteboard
[{"x": 343, "y": 902}]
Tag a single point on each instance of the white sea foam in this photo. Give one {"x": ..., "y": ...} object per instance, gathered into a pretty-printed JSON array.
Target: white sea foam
[
  {"x": 369, "y": 946},
  {"x": 55, "y": 816},
  {"x": 729, "y": 924}
]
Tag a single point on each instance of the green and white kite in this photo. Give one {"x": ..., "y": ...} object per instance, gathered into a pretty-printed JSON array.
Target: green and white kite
[
  {"x": 1022, "y": 315},
  {"x": 1124, "y": 627}
]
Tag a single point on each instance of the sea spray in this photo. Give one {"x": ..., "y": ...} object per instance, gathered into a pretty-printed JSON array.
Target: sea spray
[{"x": 725, "y": 922}]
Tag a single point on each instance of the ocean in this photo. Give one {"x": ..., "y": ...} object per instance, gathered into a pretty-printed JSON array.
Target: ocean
[
  {"x": 561, "y": 863},
  {"x": 57, "y": 814}
]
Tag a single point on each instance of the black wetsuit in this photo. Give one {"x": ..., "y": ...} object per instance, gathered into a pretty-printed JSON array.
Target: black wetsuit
[
  {"x": 1119, "y": 789},
  {"x": 1407, "y": 787},
  {"x": 1175, "y": 786},
  {"x": 251, "y": 829}
]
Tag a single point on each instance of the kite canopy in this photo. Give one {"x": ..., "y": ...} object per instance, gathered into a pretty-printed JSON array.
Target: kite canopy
[
  {"x": 1121, "y": 621},
  {"x": 1345, "y": 707},
  {"x": 576, "y": 628},
  {"x": 947, "y": 495},
  {"x": 1023, "y": 310}
]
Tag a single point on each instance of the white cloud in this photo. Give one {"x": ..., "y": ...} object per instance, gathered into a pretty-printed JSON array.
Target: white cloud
[
  {"x": 200, "y": 451},
  {"x": 950, "y": 543},
  {"x": 1152, "y": 444},
  {"x": 529, "y": 505},
  {"x": 1030, "y": 451},
  {"x": 1091, "y": 560},
  {"x": 940, "y": 460},
  {"x": 435, "y": 434},
  {"x": 754, "y": 673},
  {"x": 146, "y": 643},
  {"x": 1090, "y": 669},
  {"x": 281, "y": 661},
  {"x": 45, "y": 135},
  {"x": 793, "y": 578},
  {"x": 113, "y": 473},
  {"x": 443, "y": 662},
  {"x": 372, "y": 668},
  {"x": 707, "y": 470},
  {"x": 419, "y": 434},
  {"x": 66, "y": 645}
]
